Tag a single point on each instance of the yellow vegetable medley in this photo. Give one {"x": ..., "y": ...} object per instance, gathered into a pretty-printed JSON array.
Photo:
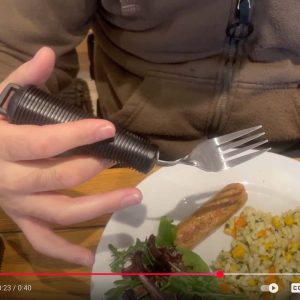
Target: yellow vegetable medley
[{"x": 262, "y": 243}]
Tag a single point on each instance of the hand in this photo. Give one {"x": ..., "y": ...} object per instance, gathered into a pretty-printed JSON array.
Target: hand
[{"x": 30, "y": 175}]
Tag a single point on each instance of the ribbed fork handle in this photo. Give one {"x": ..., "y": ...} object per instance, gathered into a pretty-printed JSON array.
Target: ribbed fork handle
[{"x": 30, "y": 105}]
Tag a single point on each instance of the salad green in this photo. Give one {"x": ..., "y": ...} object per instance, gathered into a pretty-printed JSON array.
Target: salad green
[{"x": 160, "y": 254}]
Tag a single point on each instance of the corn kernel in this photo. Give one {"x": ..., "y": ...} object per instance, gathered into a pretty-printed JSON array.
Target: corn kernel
[
  {"x": 276, "y": 222},
  {"x": 238, "y": 251},
  {"x": 288, "y": 256},
  {"x": 293, "y": 246},
  {"x": 252, "y": 282},
  {"x": 289, "y": 220},
  {"x": 268, "y": 246},
  {"x": 264, "y": 257},
  {"x": 233, "y": 268}
]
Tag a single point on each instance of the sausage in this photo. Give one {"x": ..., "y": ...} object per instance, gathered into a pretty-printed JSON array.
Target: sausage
[{"x": 211, "y": 215}]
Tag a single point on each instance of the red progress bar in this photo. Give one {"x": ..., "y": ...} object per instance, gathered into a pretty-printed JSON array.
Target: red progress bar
[{"x": 218, "y": 274}]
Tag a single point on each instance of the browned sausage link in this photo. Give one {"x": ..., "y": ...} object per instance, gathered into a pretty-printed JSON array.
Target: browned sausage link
[{"x": 211, "y": 215}]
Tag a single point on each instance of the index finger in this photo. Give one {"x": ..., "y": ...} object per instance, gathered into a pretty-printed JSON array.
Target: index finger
[{"x": 31, "y": 142}]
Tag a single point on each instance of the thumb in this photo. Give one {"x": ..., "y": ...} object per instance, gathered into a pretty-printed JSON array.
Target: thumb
[{"x": 35, "y": 72}]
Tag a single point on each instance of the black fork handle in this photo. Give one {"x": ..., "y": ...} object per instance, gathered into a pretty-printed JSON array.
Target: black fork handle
[{"x": 30, "y": 105}]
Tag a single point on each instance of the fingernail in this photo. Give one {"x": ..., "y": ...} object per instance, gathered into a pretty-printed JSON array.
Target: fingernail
[
  {"x": 86, "y": 261},
  {"x": 105, "y": 132},
  {"x": 131, "y": 199},
  {"x": 108, "y": 163}
]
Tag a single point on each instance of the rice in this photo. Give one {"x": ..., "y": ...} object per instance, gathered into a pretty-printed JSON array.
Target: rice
[{"x": 262, "y": 243}]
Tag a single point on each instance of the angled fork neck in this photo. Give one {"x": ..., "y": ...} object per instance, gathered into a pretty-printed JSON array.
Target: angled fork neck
[{"x": 170, "y": 163}]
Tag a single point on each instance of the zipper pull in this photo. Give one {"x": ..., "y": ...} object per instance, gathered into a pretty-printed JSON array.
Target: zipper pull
[
  {"x": 233, "y": 55},
  {"x": 242, "y": 27},
  {"x": 243, "y": 11}
]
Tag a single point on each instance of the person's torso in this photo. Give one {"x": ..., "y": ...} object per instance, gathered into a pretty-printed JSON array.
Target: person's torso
[
  {"x": 160, "y": 56},
  {"x": 181, "y": 30}
]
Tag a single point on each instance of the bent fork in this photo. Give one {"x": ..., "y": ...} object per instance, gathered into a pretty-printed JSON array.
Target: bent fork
[{"x": 222, "y": 152}]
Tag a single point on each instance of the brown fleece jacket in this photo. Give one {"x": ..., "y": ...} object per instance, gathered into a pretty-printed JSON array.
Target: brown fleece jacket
[{"x": 158, "y": 64}]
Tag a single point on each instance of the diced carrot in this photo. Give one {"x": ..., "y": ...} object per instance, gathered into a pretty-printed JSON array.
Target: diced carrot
[
  {"x": 240, "y": 222},
  {"x": 280, "y": 282},
  {"x": 225, "y": 288},
  {"x": 233, "y": 232},
  {"x": 271, "y": 278},
  {"x": 275, "y": 279},
  {"x": 266, "y": 296},
  {"x": 272, "y": 269},
  {"x": 262, "y": 233}
]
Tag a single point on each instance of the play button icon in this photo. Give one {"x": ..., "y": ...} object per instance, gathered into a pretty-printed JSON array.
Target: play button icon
[{"x": 273, "y": 288}]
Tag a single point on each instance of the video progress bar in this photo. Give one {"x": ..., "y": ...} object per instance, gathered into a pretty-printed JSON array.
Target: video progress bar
[{"x": 261, "y": 274}]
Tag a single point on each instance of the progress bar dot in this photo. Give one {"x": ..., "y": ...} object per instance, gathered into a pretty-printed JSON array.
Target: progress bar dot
[{"x": 220, "y": 274}]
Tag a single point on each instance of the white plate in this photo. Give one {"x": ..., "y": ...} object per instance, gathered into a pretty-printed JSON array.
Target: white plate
[{"x": 272, "y": 182}]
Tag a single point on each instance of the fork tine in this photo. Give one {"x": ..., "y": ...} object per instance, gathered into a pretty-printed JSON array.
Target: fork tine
[
  {"x": 234, "y": 162},
  {"x": 235, "y": 135},
  {"x": 241, "y": 142},
  {"x": 243, "y": 149}
]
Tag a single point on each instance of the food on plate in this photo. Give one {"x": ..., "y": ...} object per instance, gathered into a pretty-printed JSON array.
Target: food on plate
[
  {"x": 211, "y": 215},
  {"x": 160, "y": 254},
  {"x": 262, "y": 243}
]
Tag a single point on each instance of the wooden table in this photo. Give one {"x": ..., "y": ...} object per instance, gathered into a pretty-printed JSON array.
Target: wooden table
[{"x": 20, "y": 257}]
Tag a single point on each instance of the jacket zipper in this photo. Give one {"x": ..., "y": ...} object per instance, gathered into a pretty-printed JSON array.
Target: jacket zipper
[{"x": 237, "y": 34}]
